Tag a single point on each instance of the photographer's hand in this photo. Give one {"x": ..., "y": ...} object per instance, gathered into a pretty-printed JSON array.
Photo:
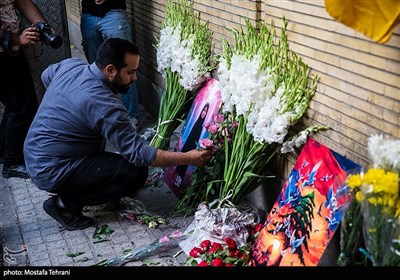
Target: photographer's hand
[{"x": 29, "y": 36}]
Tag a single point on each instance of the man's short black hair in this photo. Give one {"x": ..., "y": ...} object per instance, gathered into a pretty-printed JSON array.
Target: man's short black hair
[{"x": 112, "y": 51}]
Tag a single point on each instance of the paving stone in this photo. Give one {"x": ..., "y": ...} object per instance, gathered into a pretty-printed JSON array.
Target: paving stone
[
  {"x": 37, "y": 256},
  {"x": 22, "y": 202},
  {"x": 20, "y": 192},
  {"x": 56, "y": 244},
  {"x": 26, "y": 214},
  {"x": 28, "y": 219},
  {"x": 33, "y": 241},
  {"x": 50, "y": 231},
  {"x": 123, "y": 248},
  {"x": 53, "y": 237},
  {"x": 80, "y": 247},
  {"x": 43, "y": 262},
  {"x": 32, "y": 234},
  {"x": 37, "y": 247},
  {"x": 25, "y": 208}
]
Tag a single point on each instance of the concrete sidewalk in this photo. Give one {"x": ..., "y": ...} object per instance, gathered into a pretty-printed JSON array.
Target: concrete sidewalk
[{"x": 30, "y": 237}]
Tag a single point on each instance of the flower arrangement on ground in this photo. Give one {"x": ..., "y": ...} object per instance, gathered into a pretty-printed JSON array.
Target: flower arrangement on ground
[
  {"x": 183, "y": 59},
  {"x": 224, "y": 254},
  {"x": 265, "y": 90},
  {"x": 376, "y": 191}
]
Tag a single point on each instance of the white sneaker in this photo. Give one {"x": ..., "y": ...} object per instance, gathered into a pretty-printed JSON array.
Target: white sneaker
[{"x": 135, "y": 123}]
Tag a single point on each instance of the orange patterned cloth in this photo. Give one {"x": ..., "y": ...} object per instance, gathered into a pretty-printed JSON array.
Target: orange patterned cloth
[{"x": 374, "y": 18}]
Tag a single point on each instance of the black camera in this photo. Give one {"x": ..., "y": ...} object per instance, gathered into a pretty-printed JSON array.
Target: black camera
[{"x": 47, "y": 36}]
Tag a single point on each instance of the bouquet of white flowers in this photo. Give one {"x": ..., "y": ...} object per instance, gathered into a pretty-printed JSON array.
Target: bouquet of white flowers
[
  {"x": 183, "y": 59},
  {"x": 265, "y": 89}
]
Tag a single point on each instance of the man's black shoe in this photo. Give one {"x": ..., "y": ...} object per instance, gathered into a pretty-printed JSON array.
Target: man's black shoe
[
  {"x": 66, "y": 219},
  {"x": 15, "y": 171}
]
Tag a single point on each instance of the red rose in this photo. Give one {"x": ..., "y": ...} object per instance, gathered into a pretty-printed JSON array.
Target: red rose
[
  {"x": 205, "y": 244},
  {"x": 203, "y": 263},
  {"x": 251, "y": 262},
  {"x": 258, "y": 227},
  {"x": 217, "y": 262},
  {"x": 228, "y": 264},
  {"x": 215, "y": 247},
  {"x": 245, "y": 257},
  {"x": 231, "y": 244},
  {"x": 195, "y": 252}
]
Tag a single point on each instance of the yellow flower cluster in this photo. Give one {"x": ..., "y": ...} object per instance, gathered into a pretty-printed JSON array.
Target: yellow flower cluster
[
  {"x": 377, "y": 194},
  {"x": 379, "y": 186}
]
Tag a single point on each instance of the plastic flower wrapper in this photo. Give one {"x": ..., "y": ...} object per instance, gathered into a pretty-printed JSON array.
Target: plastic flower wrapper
[
  {"x": 351, "y": 237},
  {"x": 377, "y": 191},
  {"x": 380, "y": 207},
  {"x": 167, "y": 245},
  {"x": 183, "y": 59},
  {"x": 216, "y": 224},
  {"x": 228, "y": 247}
]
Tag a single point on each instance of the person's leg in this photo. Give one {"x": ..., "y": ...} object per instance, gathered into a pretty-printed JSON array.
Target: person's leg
[
  {"x": 101, "y": 178},
  {"x": 91, "y": 36},
  {"x": 3, "y": 128},
  {"x": 21, "y": 104},
  {"x": 116, "y": 24}
]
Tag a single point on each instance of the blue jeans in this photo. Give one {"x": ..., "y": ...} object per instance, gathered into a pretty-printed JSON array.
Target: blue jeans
[{"x": 95, "y": 30}]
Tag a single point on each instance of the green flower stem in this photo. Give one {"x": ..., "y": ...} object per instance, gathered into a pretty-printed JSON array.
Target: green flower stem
[
  {"x": 173, "y": 109},
  {"x": 247, "y": 154}
]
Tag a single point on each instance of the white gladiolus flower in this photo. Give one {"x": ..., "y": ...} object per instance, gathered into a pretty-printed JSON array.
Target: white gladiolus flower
[
  {"x": 301, "y": 139},
  {"x": 176, "y": 53},
  {"x": 183, "y": 58}
]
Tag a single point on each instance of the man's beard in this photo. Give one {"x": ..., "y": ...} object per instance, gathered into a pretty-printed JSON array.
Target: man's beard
[{"x": 119, "y": 86}]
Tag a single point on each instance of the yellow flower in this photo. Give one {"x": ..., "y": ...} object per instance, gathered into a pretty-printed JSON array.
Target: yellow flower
[
  {"x": 397, "y": 209},
  {"x": 382, "y": 181},
  {"x": 360, "y": 196},
  {"x": 354, "y": 181}
]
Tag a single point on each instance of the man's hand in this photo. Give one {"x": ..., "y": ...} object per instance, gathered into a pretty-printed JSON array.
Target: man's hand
[
  {"x": 199, "y": 157},
  {"x": 193, "y": 157}
]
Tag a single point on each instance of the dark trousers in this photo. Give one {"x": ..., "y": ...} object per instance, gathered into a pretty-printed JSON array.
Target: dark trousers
[
  {"x": 17, "y": 93},
  {"x": 101, "y": 178}
]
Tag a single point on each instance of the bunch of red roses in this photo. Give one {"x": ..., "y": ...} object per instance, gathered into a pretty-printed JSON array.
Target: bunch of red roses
[{"x": 228, "y": 254}]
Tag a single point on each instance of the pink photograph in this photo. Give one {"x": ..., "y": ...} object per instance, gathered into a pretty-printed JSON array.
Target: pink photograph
[{"x": 204, "y": 107}]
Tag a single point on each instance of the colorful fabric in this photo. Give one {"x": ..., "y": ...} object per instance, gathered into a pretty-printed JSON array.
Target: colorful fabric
[
  {"x": 374, "y": 18},
  {"x": 308, "y": 209}
]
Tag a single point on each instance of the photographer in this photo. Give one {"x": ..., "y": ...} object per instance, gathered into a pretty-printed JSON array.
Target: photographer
[{"x": 17, "y": 90}]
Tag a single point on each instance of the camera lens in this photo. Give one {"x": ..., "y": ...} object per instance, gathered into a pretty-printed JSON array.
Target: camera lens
[
  {"x": 54, "y": 41},
  {"x": 48, "y": 37}
]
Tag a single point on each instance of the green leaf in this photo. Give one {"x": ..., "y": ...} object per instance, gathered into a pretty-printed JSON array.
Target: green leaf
[
  {"x": 102, "y": 233},
  {"x": 101, "y": 263},
  {"x": 72, "y": 255},
  {"x": 85, "y": 259}
]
